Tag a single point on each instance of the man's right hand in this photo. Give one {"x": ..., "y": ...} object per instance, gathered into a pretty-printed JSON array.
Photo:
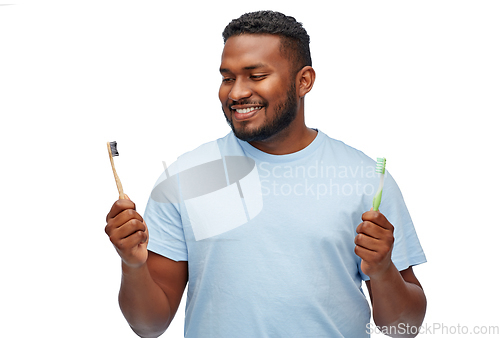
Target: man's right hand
[
  {"x": 151, "y": 285},
  {"x": 128, "y": 233}
]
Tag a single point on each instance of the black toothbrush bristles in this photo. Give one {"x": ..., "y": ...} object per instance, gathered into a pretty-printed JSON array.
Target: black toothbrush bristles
[{"x": 114, "y": 151}]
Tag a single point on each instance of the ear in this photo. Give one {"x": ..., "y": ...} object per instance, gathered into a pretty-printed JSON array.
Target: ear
[{"x": 305, "y": 79}]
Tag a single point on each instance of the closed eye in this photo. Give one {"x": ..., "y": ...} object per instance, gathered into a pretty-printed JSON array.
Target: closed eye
[{"x": 257, "y": 77}]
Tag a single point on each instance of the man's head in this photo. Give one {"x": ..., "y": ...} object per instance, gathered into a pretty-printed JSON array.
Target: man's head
[
  {"x": 266, "y": 72},
  {"x": 294, "y": 38}
]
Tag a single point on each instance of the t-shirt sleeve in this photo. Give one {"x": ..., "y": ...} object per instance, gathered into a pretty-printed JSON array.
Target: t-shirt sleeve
[
  {"x": 407, "y": 250},
  {"x": 164, "y": 222}
]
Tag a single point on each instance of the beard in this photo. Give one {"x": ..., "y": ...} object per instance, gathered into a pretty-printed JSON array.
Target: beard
[{"x": 285, "y": 113}]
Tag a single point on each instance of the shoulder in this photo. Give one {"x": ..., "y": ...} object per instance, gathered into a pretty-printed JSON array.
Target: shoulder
[
  {"x": 344, "y": 152},
  {"x": 213, "y": 148},
  {"x": 206, "y": 152}
]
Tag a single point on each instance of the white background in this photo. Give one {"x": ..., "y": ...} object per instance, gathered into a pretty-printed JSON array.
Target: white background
[{"x": 417, "y": 82}]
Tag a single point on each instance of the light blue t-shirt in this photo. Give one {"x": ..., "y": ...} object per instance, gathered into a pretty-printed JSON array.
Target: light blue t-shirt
[{"x": 270, "y": 238}]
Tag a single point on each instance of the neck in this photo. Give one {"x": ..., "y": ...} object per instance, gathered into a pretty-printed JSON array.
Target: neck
[
  {"x": 295, "y": 137},
  {"x": 282, "y": 146}
]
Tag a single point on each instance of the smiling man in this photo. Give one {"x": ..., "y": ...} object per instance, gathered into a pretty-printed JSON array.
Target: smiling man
[
  {"x": 255, "y": 76},
  {"x": 270, "y": 226}
]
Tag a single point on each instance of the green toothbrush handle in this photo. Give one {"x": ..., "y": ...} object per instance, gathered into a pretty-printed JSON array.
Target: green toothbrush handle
[{"x": 376, "y": 200}]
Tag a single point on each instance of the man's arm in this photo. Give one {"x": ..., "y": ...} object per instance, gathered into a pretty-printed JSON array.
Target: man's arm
[
  {"x": 152, "y": 285},
  {"x": 398, "y": 299}
]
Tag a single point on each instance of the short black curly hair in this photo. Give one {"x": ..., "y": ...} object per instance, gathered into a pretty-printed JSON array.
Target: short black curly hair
[{"x": 294, "y": 38}]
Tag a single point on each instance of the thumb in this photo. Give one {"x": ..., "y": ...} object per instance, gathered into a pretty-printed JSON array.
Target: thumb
[{"x": 126, "y": 196}]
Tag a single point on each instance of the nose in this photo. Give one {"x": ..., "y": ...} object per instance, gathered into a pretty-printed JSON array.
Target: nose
[{"x": 239, "y": 90}]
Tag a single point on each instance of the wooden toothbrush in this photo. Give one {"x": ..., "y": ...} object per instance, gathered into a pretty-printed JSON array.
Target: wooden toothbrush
[{"x": 112, "y": 153}]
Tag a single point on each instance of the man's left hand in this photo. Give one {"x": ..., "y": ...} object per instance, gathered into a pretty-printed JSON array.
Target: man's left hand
[{"x": 374, "y": 244}]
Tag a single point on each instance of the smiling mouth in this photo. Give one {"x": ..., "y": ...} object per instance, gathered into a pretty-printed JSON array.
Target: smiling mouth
[{"x": 245, "y": 113}]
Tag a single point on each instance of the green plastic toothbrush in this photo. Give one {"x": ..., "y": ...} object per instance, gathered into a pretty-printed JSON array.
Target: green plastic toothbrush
[{"x": 380, "y": 168}]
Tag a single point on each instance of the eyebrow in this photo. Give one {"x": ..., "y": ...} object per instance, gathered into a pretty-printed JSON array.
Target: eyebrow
[
  {"x": 258, "y": 65},
  {"x": 252, "y": 67}
]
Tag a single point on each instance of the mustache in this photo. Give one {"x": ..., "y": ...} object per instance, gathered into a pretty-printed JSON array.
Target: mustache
[{"x": 246, "y": 102}]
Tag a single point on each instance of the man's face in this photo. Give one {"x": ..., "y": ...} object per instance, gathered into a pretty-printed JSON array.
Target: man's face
[{"x": 257, "y": 93}]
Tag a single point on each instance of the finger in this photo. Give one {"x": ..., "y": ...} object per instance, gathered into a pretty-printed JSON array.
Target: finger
[
  {"x": 121, "y": 219},
  {"x": 371, "y": 229},
  {"x": 126, "y": 196},
  {"x": 118, "y": 207},
  {"x": 125, "y": 216},
  {"x": 146, "y": 233},
  {"x": 126, "y": 230},
  {"x": 130, "y": 242},
  {"x": 367, "y": 242},
  {"x": 364, "y": 253},
  {"x": 377, "y": 218}
]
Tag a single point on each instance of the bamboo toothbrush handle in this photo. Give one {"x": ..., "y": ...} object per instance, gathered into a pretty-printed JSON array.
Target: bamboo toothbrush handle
[{"x": 117, "y": 179}]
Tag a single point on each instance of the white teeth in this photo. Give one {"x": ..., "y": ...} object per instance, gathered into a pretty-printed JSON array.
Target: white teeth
[{"x": 247, "y": 110}]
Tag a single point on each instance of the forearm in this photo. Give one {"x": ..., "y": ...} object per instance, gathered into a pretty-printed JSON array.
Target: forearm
[
  {"x": 143, "y": 303},
  {"x": 397, "y": 303}
]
